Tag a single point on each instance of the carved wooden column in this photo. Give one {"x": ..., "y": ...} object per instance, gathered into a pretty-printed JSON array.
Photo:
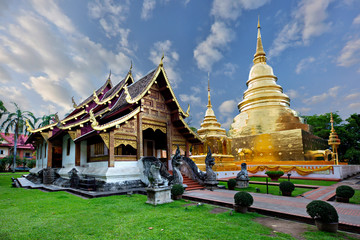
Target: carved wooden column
[
  {"x": 111, "y": 149},
  {"x": 187, "y": 149},
  {"x": 77, "y": 148},
  {"x": 140, "y": 147},
  {"x": 49, "y": 154},
  {"x": 169, "y": 139}
]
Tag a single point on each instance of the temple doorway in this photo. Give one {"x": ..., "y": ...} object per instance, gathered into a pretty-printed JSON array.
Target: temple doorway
[
  {"x": 56, "y": 158},
  {"x": 155, "y": 144}
]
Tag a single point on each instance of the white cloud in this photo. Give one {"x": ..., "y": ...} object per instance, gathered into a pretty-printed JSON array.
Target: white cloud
[
  {"x": 308, "y": 21},
  {"x": 221, "y": 34},
  {"x": 4, "y": 75},
  {"x": 13, "y": 94},
  {"x": 147, "y": 8},
  {"x": 227, "y": 109},
  {"x": 51, "y": 91},
  {"x": 191, "y": 99},
  {"x": 332, "y": 92},
  {"x": 356, "y": 20},
  {"x": 355, "y": 106},
  {"x": 303, "y": 110},
  {"x": 53, "y": 13},
  {"x": 292, "y": 93},
  {"x": 230, "y": 69},
  {"x": 304, "y": 63},
  {"x": 171, "y": 57},
  {"x": 231, "y": 9},
  {"x": 352, "y": 96},
  {"x": 209, "y": 51},
  {"x": 350, "y": 53},
  {"x": 66, "y": 59},
  {"x": 111, "y": 16}
]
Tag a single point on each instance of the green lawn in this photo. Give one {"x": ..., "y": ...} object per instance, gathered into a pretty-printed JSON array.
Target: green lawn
[
  {"x": 356, "y": 198},
  {"x": 33, "y": 214},
  {"x": 274, "y": 190},
  {"x": 297, "y": 181}
]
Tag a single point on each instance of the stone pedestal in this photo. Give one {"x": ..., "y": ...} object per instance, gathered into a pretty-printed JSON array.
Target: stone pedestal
[
  {"x": 242, "y": 183},
  {"x": 211, "y": 185},
  {"x": 157, "y": 196}
]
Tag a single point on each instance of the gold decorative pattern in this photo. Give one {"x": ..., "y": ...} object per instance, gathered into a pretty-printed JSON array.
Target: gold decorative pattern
[
  {"x": 72, "y": 134},
  {"x": 45, "y": 135},
  {"x": 74, "y": 116},
  {"x": 106, "y": 138},
  {"x": 154, "y": 127},
  {"x": 95, "y": 125},
  {"x": 132, "y": 143}
]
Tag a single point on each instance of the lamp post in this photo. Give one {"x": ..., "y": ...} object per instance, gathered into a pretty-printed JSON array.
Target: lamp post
[{"x": 289, "y": 174}]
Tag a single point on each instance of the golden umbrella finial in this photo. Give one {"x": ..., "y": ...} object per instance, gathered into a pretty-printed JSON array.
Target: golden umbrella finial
[{"x": 260, "y": 55}]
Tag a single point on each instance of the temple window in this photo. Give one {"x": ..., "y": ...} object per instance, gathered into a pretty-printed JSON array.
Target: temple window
[
  {"x": 99, "y": 148},
  {"x": 125, "y": 150},
  {"x": 45, "y": 149},
  {"x": 68, "y": 147}
]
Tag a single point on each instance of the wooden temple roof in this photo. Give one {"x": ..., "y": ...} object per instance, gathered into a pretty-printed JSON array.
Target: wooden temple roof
[{"x": 110, "y": 106}]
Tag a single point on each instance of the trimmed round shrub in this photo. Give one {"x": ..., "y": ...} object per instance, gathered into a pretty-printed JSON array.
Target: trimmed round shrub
[
  {"x": 322, "y": 211},
  {"x": 177, "y": 189},
  {"x": 286, "y": 186},
  {"x": 231, "y": 184},
  {"x": 345, "y": 191},
  {"x": 243, "y": 199},
  {"x": 280, "y": 173}
]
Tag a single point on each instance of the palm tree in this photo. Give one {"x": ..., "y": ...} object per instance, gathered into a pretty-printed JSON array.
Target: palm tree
[
  {"x": 15, "y": 121},
  {"x": 46, "y": 120},
  {"x": 3, "y": 109}
]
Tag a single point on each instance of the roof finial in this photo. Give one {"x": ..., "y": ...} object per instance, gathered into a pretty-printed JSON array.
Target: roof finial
[
  {"x": 109, "y": 74},
  {"x": 332, "y": 122},
  {"x": 260, "y": 55},
  {"x": 161, "y": 61},
  {"x": 209, "y": 100},
  {"x": 130, "y": 67}
]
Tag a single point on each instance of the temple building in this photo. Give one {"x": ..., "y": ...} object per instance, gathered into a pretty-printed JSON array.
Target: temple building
[
  {"x": 213, "y": 136},
  {"x": 106, "y": 134},
  {"x": 267, "y": 130}
]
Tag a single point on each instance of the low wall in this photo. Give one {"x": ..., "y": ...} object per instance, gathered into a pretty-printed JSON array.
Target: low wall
[{"x": 334, "y": 172}]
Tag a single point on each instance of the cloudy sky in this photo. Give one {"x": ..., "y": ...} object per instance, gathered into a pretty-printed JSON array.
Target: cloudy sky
[{"x": 53, "y": 50}]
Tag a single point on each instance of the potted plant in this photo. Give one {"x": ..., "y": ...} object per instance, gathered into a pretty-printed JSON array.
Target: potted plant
[
  {"x": 286, "y": 188},
  {"x": 177, "y": 191},
  {"x": 231, "y": 184},
  {"x": 274, "y": 175},
  {"x": 325, "y": 215},
  {"x": 243, "y": 200},
  {"x": 344, "y": 193}
]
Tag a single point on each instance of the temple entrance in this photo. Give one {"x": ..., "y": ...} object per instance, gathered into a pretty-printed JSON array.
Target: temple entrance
[
  {"x": 56, "y": 158},
  {"x": 155, "y": 144}
]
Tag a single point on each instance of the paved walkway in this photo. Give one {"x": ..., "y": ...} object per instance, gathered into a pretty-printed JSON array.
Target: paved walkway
[{"x": 288, "y": 207}]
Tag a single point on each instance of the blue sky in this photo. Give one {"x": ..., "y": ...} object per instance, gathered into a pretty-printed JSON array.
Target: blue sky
[{"x": 53, "y": 50}]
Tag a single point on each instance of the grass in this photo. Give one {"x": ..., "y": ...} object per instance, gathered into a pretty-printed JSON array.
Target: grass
[
  {"x": 274, "y": 190},
  {"x": 356, "y": 198},
  {"x": 33, "y": 214},
  {"x": 297, "y": 181}
]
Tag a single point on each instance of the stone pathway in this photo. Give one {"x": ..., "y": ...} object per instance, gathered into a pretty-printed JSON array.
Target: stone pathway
[{"x": 279, "y": 206}]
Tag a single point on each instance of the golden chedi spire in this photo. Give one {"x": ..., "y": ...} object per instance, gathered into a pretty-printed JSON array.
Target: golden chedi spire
[
  {"x": 210, "y": 126},
  {"x": 264, "y": 108},
  {"x": 334, "y": 140},
  {"x": 260, "y": 55}
]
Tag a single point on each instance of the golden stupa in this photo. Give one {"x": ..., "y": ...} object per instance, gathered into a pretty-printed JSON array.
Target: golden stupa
[
  {"x": 267, "y": 130},
  {"x": 214, "y": 137},
  {"x": 334, "y": 141}
]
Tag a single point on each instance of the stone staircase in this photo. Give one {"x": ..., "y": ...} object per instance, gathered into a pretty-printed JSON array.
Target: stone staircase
[{"x": 192, "y": 185}]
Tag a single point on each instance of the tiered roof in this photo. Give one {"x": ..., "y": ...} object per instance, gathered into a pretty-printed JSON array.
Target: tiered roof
[{"x": 110, "y": 106}]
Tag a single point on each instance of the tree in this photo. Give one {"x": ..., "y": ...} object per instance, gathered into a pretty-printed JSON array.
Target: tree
[
  {"x": 45, "y": 120},
  {"x": 3, "y": 109},
  {"x": 321, "y": 126},
  {"x": 348, "y": 132},
  {"x": 15, "y": 121}
]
